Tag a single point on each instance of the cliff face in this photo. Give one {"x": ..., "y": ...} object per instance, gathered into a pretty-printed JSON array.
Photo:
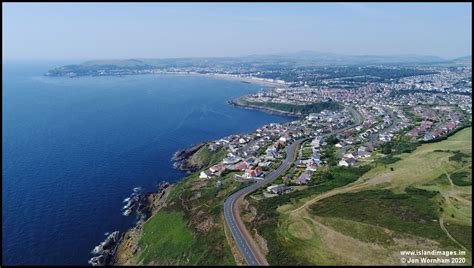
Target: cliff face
[{"x": 127, "y": 248}]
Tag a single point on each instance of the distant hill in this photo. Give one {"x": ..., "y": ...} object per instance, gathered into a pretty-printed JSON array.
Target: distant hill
[
  {"x": 121, "y": 63},
  {"x": 466, "y": 60},
  {"x": 337, "y": 59},
  {"x": 294, "y": 59}
]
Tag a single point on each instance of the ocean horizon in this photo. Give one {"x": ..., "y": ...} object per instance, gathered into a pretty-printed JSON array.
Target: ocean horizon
[{"x": 74, "y": 148}]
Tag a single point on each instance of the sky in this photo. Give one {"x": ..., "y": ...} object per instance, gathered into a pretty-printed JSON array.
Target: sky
[{"x": 87, "y": 31}]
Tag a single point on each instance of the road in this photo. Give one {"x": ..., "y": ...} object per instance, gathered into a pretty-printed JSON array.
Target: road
[
  {"x": 395, "y": 121},
  {"x": 243, "y": 239}
]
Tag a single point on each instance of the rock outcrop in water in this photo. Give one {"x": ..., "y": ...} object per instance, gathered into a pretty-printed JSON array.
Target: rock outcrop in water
[
  {"x": 127, "y": 246},
  {"x": 105, "y": 250},
  {"x": 117, "y": 244}
]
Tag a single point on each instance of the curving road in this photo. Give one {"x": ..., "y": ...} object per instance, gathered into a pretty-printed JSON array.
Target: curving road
[
  {"x": 244, "y": 241},
  {"x": 242, "y": 238}
]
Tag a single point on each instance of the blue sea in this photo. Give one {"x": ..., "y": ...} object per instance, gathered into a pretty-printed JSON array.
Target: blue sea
[{"x": 74, "y": 148}]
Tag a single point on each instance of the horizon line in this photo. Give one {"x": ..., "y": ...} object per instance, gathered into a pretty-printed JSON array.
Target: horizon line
[{"x": 241, "y": 56}]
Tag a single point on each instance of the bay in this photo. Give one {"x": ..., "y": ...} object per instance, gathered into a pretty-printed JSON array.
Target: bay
[{"x": 73, "y": 149}]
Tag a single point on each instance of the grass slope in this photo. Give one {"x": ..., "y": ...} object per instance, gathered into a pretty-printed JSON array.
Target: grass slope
[
  {"x": 204, "y": 157},
  {"x": 166, "y": 238},
  {"x": 420, "y": 199},
  {"x": 190, "y": 230}
]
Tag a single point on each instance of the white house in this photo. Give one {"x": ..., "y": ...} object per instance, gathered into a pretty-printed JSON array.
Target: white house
[
  {"x": 343, "y": 163},
  {"x": 205, "y": 175}
]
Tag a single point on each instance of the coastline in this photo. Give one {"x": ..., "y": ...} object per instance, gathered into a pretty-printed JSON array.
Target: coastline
[
  {"x": 252, "y": 80},
  {"x": 181, "y": 157},
  {"x": 126, "y": 245}
]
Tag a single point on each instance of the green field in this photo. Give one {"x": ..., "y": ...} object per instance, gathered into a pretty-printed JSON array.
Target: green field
[{"x": 166, "y": 238}]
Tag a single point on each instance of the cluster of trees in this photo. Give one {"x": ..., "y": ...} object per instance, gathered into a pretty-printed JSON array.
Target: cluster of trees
[
  {"x": 401, "y": 146},
  {"x": 332, "y": 139},
  {"x": 300, "y": 109},
  {"x": 329, "y": 155}
]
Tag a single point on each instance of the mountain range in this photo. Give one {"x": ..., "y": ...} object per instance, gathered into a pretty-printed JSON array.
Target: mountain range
[{"x": 294, "y": 59}]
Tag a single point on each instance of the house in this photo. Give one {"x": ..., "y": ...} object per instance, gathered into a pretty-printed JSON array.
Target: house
[
  {"x": 278, "y": 189},
  {"x": 312, "y": 167},
  {"x": 253, "y": 173},
  {"x": 305, "y": 177},
  {"x": 265, "y": 165},
  {"x": 315, "y": 142},
  {"x": 384, "y": 138},
  {"x": 348, "y": 155},
  {"x": 343, "y": 163},
  {"x": 251, "y": 161},
  {"x": 312, "y": 117},
  {"x": 233, "y": 148},
  {"x": 224, "y": 141},
  {"x": 362, "y": 153},
  {"x": 316, "y": 157},
  {"x": 213, "y": 146},
  {"x": 255, "y": 147},
  {"x": 279, "y": 143},
  {"x": 240, "y": 166},
  {"x": 271, "y": 152},
  {"x": 351, "y": 161},
  {"x": 412, "y": 133},
  {"x": 428, "y": 136},
  {"x": 205, "y": 174},
  {"x": 350, "y": 140},
  {"x": 217, "y": 168},
  {"x": 347, "y": 161},
  {"x": 231, "y": 159}
]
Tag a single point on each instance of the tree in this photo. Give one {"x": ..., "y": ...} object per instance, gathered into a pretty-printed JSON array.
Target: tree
[
  {"x": 332, "y": 139},
  {"x": 387, "y": 148}
]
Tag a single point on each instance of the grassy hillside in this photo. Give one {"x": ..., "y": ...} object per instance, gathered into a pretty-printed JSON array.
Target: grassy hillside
[
  {"x": 420, "y": 200},
  {"x": 190, "y": 229},
  {"x": 166, "y": 238},
  {"x": 204, "y": 157}
]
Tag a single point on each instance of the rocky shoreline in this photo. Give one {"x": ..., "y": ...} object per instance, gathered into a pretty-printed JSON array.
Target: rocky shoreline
[{"x": 120, "y": 248}]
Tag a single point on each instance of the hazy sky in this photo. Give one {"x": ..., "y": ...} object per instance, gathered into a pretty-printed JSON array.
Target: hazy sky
[{"x": 154, "y": 30}]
